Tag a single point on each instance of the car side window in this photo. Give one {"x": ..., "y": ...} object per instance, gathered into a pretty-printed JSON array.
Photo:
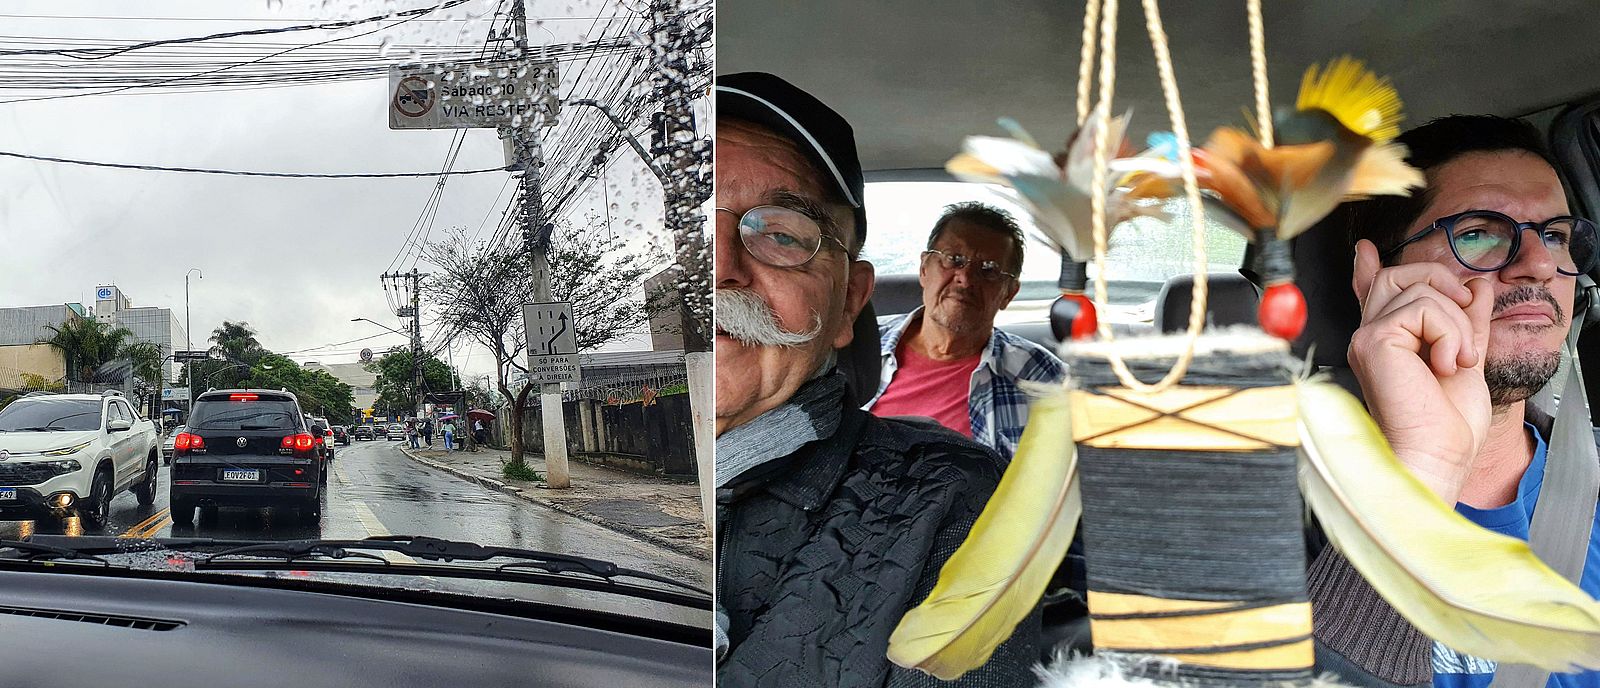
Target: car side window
[
  {"x": 114, "y": 412},
  {"x": 127, "y": 411}
]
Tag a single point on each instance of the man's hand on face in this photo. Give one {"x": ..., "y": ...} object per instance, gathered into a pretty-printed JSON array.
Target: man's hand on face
[{"x": 1419, "y": 355}]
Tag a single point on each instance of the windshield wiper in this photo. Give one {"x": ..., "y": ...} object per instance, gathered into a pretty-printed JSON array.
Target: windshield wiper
[
  {"x": 437, "y": 549},
  {"x": 526, "y": 565},
  {"x": 33, "y": 551},
  {"x": 41, "y": 428}
]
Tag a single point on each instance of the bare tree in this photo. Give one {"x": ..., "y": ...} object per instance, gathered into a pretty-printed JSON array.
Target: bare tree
[{"x": 479, "y": 289}]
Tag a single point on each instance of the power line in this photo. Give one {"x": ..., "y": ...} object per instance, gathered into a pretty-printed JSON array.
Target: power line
[
  {"x": 239, "y": 173},
  {"x": 243, "y": 19},
  {"x": 102, "y": 53},
  {"x": 213, "y": 71},
  {"x": 329, "y": 346}
]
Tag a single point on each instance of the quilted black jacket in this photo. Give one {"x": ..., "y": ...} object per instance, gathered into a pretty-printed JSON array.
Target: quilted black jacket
[{"x": 822, "y": 552}]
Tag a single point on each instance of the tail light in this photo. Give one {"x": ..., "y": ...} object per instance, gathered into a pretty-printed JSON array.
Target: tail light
[
  {"x": 301, "y": 442},
  {"x": 243, "y": 397},
  {"x": 186, "y": 441}
]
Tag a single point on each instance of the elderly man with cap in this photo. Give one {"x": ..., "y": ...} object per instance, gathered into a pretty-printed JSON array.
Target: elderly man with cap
[{"x": 831, "y": 523}]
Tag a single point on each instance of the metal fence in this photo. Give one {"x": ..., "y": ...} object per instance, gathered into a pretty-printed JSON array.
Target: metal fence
[{"x": 651, "y": 436}]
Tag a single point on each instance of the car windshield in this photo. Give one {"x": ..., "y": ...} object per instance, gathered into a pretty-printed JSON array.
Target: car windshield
[
  {"x": 44, "y": 414},
  {"x": 338, "y": 207}
]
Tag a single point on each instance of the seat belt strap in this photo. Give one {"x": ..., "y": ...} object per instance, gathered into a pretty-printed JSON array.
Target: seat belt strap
[{"x": 1562, "y": 520}]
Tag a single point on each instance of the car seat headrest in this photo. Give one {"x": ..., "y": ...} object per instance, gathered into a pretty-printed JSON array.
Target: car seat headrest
[
  {"x": 861, "y": 361},
  {"x": 1231, "y": 300}
]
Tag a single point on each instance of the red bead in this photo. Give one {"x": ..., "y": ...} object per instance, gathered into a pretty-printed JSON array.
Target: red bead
[
  {"x": 1084, "y": 326},
  {"x": 1283, "y": 311}
]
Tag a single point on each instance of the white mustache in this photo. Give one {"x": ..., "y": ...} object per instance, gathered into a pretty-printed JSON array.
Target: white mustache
[{"x": 748, "y": 318}]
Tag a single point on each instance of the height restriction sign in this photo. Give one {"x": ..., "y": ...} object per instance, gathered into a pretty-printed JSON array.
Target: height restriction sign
[
  {"x": 464, "y": 95},
  {"x": 552, "y": 342}
]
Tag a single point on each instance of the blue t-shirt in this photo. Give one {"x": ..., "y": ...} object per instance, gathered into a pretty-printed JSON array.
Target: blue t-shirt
[{"x": 1452, "y": 669}]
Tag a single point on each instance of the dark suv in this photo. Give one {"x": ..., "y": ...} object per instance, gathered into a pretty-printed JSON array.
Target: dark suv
[{"x": 247, "y": 447}]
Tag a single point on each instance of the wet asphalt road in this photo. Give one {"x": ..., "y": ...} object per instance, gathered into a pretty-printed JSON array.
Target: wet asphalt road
[{"x": 375, "y": 490}]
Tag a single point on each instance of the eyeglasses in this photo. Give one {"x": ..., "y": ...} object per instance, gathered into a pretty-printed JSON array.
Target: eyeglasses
[
  {"x": 1486, "y": 241},
  {"x": 988, "y": 271},
  {"x": 781, "y": 237}
]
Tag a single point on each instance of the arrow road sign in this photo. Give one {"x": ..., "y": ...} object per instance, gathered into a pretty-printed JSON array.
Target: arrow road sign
[{"x": 552, "y": 342}]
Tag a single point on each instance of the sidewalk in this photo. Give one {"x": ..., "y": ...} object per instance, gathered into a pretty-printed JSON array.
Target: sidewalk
[{"x": 657, "y": 510}]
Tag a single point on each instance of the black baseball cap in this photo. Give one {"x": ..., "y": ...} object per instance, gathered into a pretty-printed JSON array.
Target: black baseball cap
[{"x": 822, "y": 134}]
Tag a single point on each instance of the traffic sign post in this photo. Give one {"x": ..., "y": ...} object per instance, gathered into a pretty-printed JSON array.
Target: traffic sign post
[
  {"x": 552, "y": 342},
  {"x": 466, "y": 95}
]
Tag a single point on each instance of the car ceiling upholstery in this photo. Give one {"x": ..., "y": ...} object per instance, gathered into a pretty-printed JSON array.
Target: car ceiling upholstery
[{"x": 915, "y": 76}]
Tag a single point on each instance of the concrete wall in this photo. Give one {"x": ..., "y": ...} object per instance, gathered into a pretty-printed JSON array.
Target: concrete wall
[
  {"x": 653, "y": 440},
  {"x": 39, "y": 359},
  {"x": 28, "y": 324}
]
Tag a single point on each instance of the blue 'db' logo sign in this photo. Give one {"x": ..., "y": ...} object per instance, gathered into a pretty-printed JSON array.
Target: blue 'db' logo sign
[{"x": 104, "y": 293}]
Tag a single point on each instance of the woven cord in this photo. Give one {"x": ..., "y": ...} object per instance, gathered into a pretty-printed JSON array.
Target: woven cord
[
  {"x": 1191, "y": 188},
  {"x": 1091, "y": 17},
  {"x": 1258, "y": 73}
]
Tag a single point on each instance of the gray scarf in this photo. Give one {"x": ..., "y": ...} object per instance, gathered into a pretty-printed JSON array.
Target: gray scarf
[{"x": 811, "y": 414}]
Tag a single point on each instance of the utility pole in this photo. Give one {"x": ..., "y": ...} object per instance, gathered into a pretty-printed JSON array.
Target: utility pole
[
  {"x": 684, "y": 157},
  {"x": 680, "y": 159},
  {"x": 536, "y": 231},
  {"x": 413, "y": 281}
]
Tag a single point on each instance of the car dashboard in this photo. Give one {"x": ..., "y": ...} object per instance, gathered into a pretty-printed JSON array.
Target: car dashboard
[{"x": 66, "y": 629}]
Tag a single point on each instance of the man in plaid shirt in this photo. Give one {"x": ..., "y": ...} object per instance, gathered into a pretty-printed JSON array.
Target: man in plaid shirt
[{"x": 946, "y": 360}]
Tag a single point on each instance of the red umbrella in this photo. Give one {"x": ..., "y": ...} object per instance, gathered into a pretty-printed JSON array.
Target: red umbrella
[{"x": 480, "y": 414}]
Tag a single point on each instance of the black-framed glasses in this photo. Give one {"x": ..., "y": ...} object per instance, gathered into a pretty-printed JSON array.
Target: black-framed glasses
[
  {"x": 1486, "y": 241},
  {"x": 988, "y": 270},
  {"x": 781, "y": 237}
]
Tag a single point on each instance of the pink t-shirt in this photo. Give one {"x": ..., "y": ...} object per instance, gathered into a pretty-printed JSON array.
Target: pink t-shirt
[{"x": 925, "y": 387}]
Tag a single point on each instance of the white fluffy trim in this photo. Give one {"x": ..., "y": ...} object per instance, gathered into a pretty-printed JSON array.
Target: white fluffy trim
[{"x": 1108, "y": 670}]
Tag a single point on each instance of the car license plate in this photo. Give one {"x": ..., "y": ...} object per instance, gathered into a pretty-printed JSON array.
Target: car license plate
[
  {"x": 241, "y": 475},
  {"x": 8, "y": 494}
]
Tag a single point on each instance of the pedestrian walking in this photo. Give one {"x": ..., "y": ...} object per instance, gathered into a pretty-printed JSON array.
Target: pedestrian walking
[
  {"x": 427, "y": 431},
  {"x": 449, "y": 430},
  {"x": 479, "y": 434},
  {"x": 411, "y": 433}
]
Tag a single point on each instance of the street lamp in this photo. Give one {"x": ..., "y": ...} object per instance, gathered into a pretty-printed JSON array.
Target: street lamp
[{"x": 379, "y": 324}]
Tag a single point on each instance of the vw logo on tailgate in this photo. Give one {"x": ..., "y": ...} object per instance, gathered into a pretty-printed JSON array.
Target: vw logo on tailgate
[
  {"x": 4, "y": 455},
  {"x": 241, "y": 442}
]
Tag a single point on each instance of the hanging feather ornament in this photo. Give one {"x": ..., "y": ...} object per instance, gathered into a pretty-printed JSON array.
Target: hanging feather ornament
[
  {"x": 1055, "y": 190},
  {"x": 1334, "y": 146},
  {"x": 1190, "y": 507}
]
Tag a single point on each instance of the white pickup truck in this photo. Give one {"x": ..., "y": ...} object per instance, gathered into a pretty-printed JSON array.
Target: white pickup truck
[{"x": 71, "y": 453}]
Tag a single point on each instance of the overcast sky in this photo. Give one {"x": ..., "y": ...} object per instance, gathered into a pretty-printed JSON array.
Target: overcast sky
[{"x": 297, "y": 259}]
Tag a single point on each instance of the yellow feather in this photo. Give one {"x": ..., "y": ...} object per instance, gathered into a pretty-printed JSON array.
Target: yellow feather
[
  {"x": 998, "y": 574},
  {"x": 1362, "y": 101},
  {"x": 1474, "y": 590}
]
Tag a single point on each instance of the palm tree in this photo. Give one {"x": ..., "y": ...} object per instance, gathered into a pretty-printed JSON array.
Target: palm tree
[
  {"x": 236, "y": 341},
  {"x": 88, "y": 344}
]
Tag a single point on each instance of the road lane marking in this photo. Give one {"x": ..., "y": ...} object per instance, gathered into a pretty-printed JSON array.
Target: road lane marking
[
  {"x": 374, "y": 528},
  {"x": 143, "y": 528}
]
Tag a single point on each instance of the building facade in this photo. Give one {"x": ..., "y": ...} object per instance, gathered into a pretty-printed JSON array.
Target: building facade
[{"x": 159, "y": 326}]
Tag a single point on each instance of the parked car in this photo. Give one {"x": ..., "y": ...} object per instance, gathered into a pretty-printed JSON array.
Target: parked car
[
  {"x": 71, "y": 453},
  {"x": 166, "y": 444},
  {"x": 324, "y": 432},
  {"x": 247, "y": 448},
  {"x": 365, "y": 432},
  {"x": 341, "y": 434},
  {"x": 396, "y": 431}
]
